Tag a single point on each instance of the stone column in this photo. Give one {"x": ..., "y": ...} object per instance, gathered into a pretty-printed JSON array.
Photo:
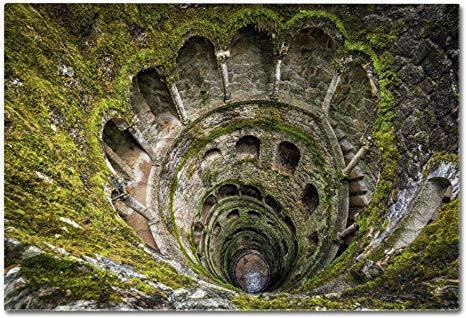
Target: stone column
[
  {"x": 347, "y": 232},
  {"x": 137, "y": 134},
  {"x": 330, "y": 91},
  {"x": 361, "y": 152},
  {"x": 120, "y": 163},
  {"x": 372, "y": 79},
  {"x": 222, "y": 58},
  {"x": 137, "y": 206},
  {"x": 178, "y": 104},
  {"x": 278, "y": 70},
  {"x": 122, "y": 194}
]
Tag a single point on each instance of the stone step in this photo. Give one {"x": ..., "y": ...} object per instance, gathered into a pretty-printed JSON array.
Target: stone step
[
  {"x": 357, "y": 187},
  {"x": 346, "y": 146},
  {"x": 348, "y": 157},
  {"x": 359, "y": 201},
  {"x": 355, "y": 175},
  {"x": 339, "y": 134}
]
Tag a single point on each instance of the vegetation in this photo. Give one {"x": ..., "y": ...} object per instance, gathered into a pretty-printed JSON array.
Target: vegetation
[
  {"x": 66, "y": 66},
  {"x": 77, "y": 280}
]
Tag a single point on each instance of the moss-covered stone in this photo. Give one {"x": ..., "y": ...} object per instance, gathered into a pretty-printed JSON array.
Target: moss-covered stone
[
  {"x": 77, "y": 280},
  {"x": 68, "y": 65}
]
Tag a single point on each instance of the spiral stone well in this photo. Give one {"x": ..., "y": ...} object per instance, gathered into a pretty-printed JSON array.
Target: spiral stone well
[
  {"x": 235, "y": 157},
  {"x": 223, "y": 163}
]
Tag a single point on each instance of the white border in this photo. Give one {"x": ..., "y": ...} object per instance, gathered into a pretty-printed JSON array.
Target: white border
[{"x": 86, "y": 314}]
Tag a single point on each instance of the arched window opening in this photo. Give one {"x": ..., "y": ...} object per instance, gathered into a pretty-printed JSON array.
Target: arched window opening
[
  {"x": 217, "y": 229},
  {"x": 251, "y": 191},
  {"x": 122, "y": 150},
  {"x": 290, "y": 224},
  {"x": 199, "y": 81},
  {"x": 310, "y": 199},
  {"x": 247, "y": 147},
  {"x": 197, "y": 233},
  {"x": 210, "y": 156},
  {"x": 234, "y": 214},
  {"x": 287, "y": 158},
  {"x": 273, "y": 203},
  {"x": 209, "y": 202},
  {"x": 155, "y": 93},
  {"x": 227, "y": 190},
  {"x": 252, "y": 54},
  {"x": 312, "y": 45},
  {"x": 118, "y": 139}
]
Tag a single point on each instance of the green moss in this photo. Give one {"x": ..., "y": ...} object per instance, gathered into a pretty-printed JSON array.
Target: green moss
[
  {"x": 384, "y": 135},
  {"x": 429, "y": 262},
  {"x": 285, "y": 302},
  {"x": 33, "y": 207},
  {"x": 76, "y": 280},
  {"x": 410, "y": 281},
  {"x": 304, "y": 15},
  {"x": 266, "y": 123},
  {"x": 210, "y": 175},
  {"x": 379, "y": 39},
  {"x": 41, "y": 38}
]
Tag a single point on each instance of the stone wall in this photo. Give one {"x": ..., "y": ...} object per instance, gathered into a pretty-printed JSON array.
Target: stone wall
[
  {"x": 251, "y": 65},
  {"x": 200, "y": 80},
  {"x": 71, "y": 68},
  {"x": 307, "y": 68}
]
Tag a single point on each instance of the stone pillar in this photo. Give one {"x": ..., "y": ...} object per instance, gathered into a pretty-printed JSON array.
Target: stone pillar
[
  {"x": 278, "y": 70},
  {"x": 358, "y": 156},
  {"x": 122, "y": 194},
  {"x": 372, "y": 79},
  {"x": 178, "y": 104},
  {"x": 330, "y": 91},
  {"x": 348, "y": 231},
  {"x": 137, "y": 206},
  {"x": 120, "y": 163},
  {"x": 137, "y": 134},
  {"x": 222, "y": 58}
]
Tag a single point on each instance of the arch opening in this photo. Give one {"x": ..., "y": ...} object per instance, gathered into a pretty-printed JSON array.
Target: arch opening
[
  {"x": 227, "y": 190},
  {"x": 234, "y": 214},
  {"x": 251, "y": 191},
  {"x": 200, "y": 81},
  {"x": 287, "y": 158},
  {"x": 251, "y": 61},
  {"x": 310, "y": 199},
  {"x": 209, "y": 202},
  {"x": 251, "y": 272},
  {"x": 247, "y": 147}
]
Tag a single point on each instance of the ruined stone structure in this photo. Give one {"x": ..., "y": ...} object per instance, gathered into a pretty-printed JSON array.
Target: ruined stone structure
[{"x": 201, "y": 157}]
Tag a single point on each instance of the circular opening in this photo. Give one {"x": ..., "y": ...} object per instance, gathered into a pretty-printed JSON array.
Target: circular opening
[{"x": 251, "y": 272}]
